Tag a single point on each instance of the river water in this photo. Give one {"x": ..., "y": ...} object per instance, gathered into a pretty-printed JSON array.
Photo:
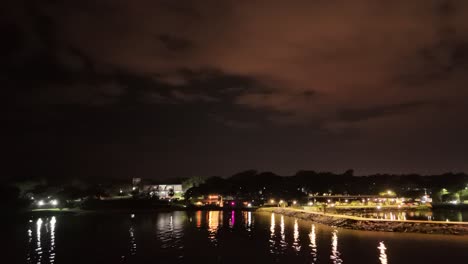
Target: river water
[{"x": 215, "y": 237}]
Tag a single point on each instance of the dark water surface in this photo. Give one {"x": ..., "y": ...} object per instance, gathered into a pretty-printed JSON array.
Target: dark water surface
[{"x": 215, "y": 237}]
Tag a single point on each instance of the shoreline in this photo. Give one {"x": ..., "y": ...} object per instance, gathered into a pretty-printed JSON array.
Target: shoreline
[
  {"x": 370, "y": 224},
  {"x": 78, "y": 211}
]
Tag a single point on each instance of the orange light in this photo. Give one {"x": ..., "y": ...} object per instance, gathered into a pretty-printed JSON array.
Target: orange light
[{"x": 198, "y": 216}]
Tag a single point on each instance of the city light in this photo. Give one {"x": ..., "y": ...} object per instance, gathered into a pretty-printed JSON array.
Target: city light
[
  {"x": 310, "y": 203},
  {"x": 249, "y": 205},
  {"x": 294, "y": 202},
  {"x": 281, "y": 201},
  {"x": 40, "y": 203},
  {"x": 272, "y": 201},
  {"x": 54, "y": 202}
]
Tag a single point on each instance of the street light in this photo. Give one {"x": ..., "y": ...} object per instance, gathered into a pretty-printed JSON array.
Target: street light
[
  {"x": 54, "y": 202},
  {"x": 40, "y": 203}
]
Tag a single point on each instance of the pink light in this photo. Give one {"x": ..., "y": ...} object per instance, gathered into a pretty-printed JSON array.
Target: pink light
[
  {"x": 233, "y": 218},
  {"x": 233, "y": 203}
]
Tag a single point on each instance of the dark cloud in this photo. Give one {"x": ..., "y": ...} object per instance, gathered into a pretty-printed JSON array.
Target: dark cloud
[
  {"x": 328, "y": 74},
  {"x": 379, "y": 111},
  {"x": 174, "y": 43}
]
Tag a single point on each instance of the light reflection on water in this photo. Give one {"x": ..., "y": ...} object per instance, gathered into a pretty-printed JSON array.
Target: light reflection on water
[
  {"x": 272, "y": 237},
  {"x": 213, "y": 225},
  {"x": 38, "y": 238},
  {"x": 28, "y": 253},
  {"x": 198, "y": 218},
  {"x": 383, "y": 255},
  {"x": 247, "y": 220},
  {"x": 232, "y": 220},
  {"x": 272, "y": 233},
  {"x": 43, "y": 249},
  {"x": 296, "y": 244},
  {"x": 170, "y": 229},
  {"x": 283, "y": 243},
  {"x": 335, "y": 254},
  {"x": 313, "y": 243},
  {"x": 133, "y": 246},
  {"x": 53, "y": 220}
]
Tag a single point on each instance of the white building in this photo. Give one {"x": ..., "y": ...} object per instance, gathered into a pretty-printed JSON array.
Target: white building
[{"x": 163, "y": 191}]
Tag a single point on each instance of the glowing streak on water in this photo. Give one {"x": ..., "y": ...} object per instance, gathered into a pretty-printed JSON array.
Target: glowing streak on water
[
  {"x": 198, "y": 217},
  {"x": 383, "y": 255},
  {"x": 233, "y": 219},
  {"x": 53, "y": 221},
  {"x": 272, "y": 233},
  {"x": 283, "y": 235},
  {"x": 296, "y": 245},
  {"x": 213, "y": 225},
  {"x": 313, "y": 243},
  {"x": 133, "y": 246},
  {"x": 335, "y": 254},
  {"x": 272, "y": 225},
  {"x": 210, "y": 213},
  {"x": 28, "y": 255},
  {"x": 38, "y": 247}
]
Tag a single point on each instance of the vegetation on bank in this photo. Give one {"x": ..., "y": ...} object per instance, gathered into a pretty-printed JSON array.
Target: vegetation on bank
[
  {"x": 253, "y": 185},
  {"x": 247, "y": 186}
]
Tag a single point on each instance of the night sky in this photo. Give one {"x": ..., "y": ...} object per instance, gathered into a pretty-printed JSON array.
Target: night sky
[{"x": 159, "y": 89}]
